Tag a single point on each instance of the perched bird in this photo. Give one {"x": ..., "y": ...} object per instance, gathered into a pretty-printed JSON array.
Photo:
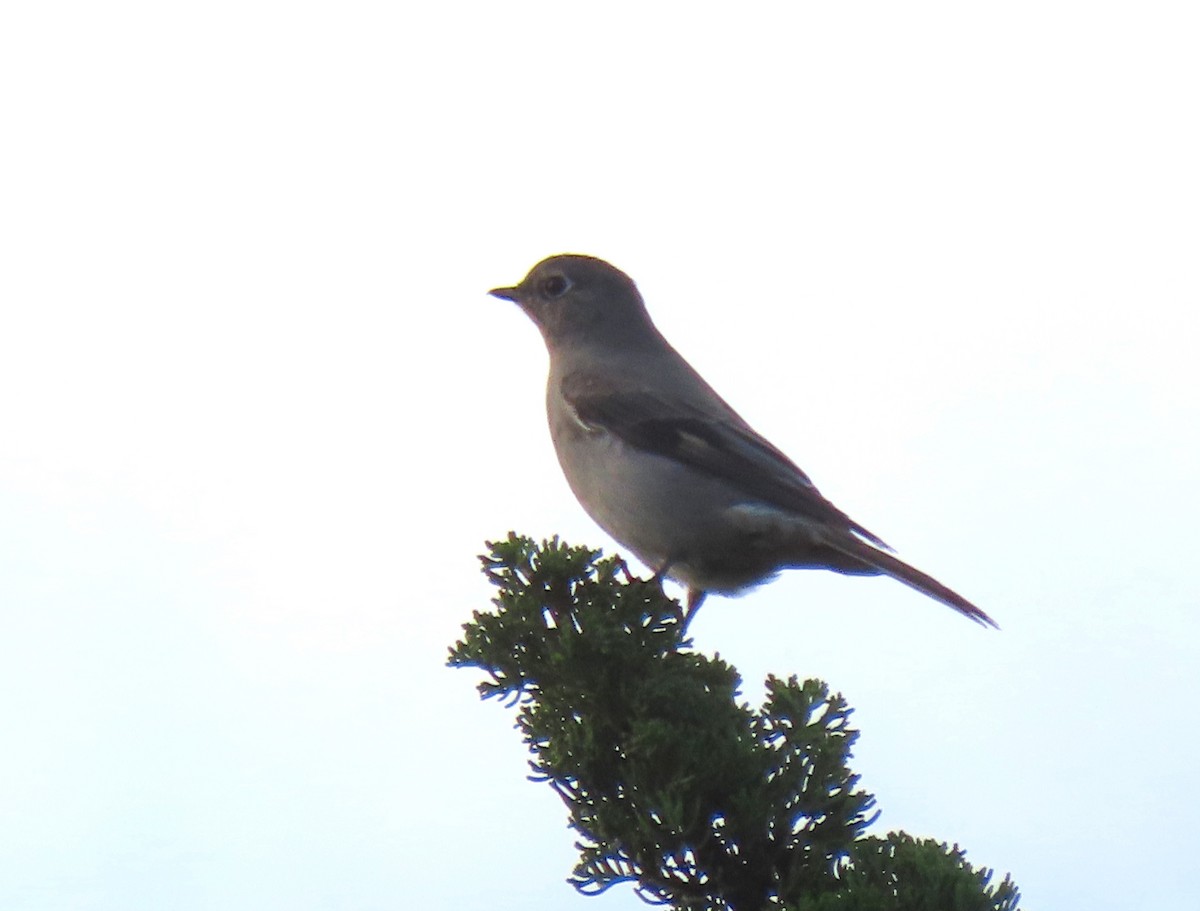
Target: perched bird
[{"x": 665, "y": 466}]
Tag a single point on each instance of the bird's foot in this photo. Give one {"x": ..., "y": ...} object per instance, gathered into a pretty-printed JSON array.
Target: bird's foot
[{"x": 623, "y": 569}]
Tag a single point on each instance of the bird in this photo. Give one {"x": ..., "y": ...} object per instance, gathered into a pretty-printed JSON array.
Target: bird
[{"x": 665, "y": 466}]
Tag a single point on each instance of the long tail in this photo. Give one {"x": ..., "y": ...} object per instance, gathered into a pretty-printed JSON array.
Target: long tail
[{"x": 914, "y": 578}]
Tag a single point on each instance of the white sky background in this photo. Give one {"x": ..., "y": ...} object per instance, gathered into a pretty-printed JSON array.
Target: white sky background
[{"x": 257, "y": 416}]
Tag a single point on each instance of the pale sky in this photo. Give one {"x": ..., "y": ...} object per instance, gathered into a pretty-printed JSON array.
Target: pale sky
[{"x": 258, "y": 415}]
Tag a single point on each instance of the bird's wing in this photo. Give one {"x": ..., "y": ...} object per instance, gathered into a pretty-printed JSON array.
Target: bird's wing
[{"x": 723, "y": 446}]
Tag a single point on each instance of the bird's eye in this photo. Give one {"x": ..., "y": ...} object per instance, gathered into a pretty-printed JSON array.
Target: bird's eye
[{"x": 554, "y": 286}]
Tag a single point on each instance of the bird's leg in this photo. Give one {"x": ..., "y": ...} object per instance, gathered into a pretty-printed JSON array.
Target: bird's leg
[
  {"x": 695, "y": 598},
  {"x": 660, "y": 576}
]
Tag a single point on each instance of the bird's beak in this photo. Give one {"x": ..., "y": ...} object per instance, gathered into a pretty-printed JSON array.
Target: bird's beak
[{"x": 508, "y": 294}]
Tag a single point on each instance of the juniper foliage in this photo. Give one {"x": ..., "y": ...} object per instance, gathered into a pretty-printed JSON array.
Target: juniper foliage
[{"x": 671, "y": 782}]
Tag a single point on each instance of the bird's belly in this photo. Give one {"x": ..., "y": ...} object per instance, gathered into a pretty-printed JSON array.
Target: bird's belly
[{"x": 670, "y": 515}]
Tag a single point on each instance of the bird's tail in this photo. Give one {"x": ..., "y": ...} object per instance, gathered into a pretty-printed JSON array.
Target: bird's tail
[{"x": 914, "y": 578}]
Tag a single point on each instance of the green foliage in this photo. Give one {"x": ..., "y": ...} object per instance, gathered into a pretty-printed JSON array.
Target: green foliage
[{"x": 672, "y": 784}]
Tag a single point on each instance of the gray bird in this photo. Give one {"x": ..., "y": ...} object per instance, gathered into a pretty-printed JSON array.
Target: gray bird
[{"x": 665, "y": 466}]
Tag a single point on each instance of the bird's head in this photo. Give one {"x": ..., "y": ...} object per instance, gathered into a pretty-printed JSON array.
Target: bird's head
[{"x": 576, "y": 299}]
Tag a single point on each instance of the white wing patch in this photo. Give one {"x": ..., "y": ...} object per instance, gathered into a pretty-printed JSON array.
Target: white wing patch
[
  {"x": 693, "y": 445},
  {"x": 579, "y": 422}
]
